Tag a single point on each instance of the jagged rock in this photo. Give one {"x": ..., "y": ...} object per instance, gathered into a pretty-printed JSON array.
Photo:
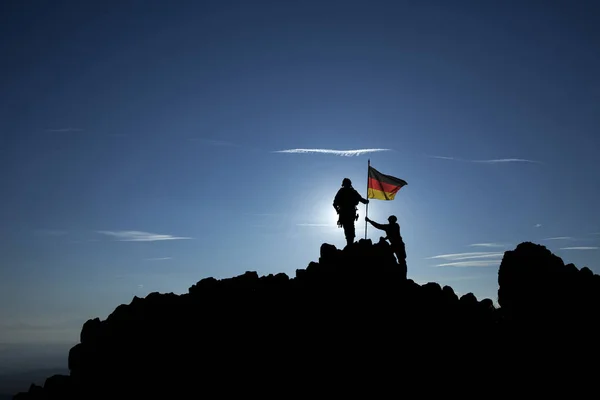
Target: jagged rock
[
  {"x": 34, "y": 392},
  {"x": 469, "y": 300},
  {"x": 328, "y": 253},
  {"x": 449, "y": 293},
  {"x": 57, "y": 386},
  {"x": 352, "y": 314},
  {"x": 586, "y": 272},
  {"x": 206, "y": 285},
  {"x": 539, "y": 291},
  {"x": 91, "y": 331}
]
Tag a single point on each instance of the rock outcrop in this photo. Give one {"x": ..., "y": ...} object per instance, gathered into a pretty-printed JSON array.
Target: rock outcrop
[{"x": 348, "y": 323}]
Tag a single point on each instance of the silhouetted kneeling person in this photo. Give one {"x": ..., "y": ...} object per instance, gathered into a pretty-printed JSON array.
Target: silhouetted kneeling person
[
  {"x": 345, "y": 202},
  {"x": 392, "y": 231}
]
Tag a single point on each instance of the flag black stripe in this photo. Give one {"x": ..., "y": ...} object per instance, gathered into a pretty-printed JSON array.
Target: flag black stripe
[{"x": 390, "y": 180}]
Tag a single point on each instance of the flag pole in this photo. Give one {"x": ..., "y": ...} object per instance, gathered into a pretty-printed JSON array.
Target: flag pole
[{"x": 367, "y": 206}]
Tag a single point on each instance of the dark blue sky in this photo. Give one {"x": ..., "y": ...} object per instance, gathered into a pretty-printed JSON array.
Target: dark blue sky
[{"x": 139, "y": 142}]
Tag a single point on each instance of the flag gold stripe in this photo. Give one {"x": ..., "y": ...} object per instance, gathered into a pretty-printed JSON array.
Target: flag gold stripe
[
  {"x": 383, "y": 186},
  {"x": 380, "y": 194}
]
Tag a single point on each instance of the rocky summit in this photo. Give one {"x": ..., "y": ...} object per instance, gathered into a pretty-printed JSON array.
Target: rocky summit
[{"x": 349, "y": 324}]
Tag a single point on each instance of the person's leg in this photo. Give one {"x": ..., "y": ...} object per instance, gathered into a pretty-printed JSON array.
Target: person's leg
[
  {"x": 349, "y": 231},
  {"x": 404, "y": 268},
  {"x": 400, "y": 253}
]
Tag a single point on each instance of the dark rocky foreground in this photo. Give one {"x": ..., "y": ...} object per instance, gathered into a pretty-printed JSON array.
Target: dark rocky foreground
[{"x": 351, "y": 324}]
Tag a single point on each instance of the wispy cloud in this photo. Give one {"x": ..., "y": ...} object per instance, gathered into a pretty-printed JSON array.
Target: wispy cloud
[
  {"x": 447, "y": 158},
  {"x": 489, "y": 161},
  {"x": 159, "y": 258},
  {"x": 137, "y": 236},
  {"x": 64, "y": 130},
  {"x": 537, "y": 226},
  {"x": 468, "y": 256},
  {"x": 474, "y": 259},
  {"x": 560, "y": 238},
  {"x": 487, "y": 245},
  {"x": 344, "y": 153},
  {"x": 580, "y": 248},
  {"x": 479, "y": 263}
]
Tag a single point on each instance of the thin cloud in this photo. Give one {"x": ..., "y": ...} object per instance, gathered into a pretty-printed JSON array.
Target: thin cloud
[
  {"x": 487, "y": 245},
  {"x": 137, "y": 236},
  {"x": 489, "y": 161},
  {"x": 447, "y": 158},
  {"x": 468, "y": 256},
  {"x": 479, "y": 263},
  {"x": 560, "y": 238},
  {"x": 159, "y": 258},
  {"x": 344, "y": 153},
  {"x": 64, "y": 130},
  {"x": 580, "y": 248},
  {"x": 537, "y": 226}
]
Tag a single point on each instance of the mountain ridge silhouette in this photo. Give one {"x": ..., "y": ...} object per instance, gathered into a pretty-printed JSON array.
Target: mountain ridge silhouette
[{"x": 349, "y": 323}]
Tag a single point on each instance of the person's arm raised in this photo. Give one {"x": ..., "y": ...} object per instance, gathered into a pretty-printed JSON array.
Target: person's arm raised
[{"x": 375, "y": 224}]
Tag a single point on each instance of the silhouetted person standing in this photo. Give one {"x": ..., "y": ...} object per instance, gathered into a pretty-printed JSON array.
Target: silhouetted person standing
[
  {"x": 392, "y": 231},
  {"x": 345, "y": 202}
]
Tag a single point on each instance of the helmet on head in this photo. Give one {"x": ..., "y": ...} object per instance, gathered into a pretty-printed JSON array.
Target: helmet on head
[
  {"x": 392, "y": 219},
  {"x": 346, "y": 182}
]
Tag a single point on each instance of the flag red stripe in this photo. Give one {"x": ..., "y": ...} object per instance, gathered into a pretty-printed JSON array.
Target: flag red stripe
[
  {"x": 392, "y": 180},
  {"x": 382, "y": 186}
]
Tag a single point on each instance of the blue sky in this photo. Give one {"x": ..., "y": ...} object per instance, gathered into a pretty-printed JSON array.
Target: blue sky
[{"x": 141, "y": 142}]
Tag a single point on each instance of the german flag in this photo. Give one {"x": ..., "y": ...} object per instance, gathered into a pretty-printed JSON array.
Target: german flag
[{"x": 381, "y": 186}]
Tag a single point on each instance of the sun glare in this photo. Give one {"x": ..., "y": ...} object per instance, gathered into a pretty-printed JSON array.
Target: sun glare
[{"x": 321, "y": 211}]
